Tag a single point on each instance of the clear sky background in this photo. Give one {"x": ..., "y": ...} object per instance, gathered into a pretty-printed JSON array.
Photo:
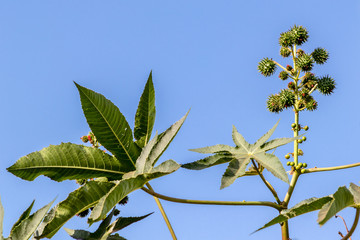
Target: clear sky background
[{"x": 204, "y": 56}]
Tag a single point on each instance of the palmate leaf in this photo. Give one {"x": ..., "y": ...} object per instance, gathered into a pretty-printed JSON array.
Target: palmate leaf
[
  {"x": 25, "y": 229},
  {"x": 109, "y": 126},
  {"x": 123, "y": 222},
  {"x": 145, "y": 114},
  {"x": 23, "y": 216},
  {"x": 123, "y": 187},
  {"x": 306, "y": 206},
  {"x": 240, "y": 156},
  {"x": 67, "y": 161},
  {"x": 77, "y": 201},
  {"x": 342, "y": 198},
  {"x": 355, "y": 191}
]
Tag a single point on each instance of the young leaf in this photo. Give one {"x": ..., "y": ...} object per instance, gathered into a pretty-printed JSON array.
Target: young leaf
[
  {"x": 342, "y": 198},
  {"x": 306, "y": 206},
  {"x": 25, "y": 229},
  {"x": 23, "y": 216},
  {"x": 77, "y": 201},
  {"x": 272, "y": 164},
  {"x": 145, "y": 114},
  {"x": 219, "y": 148},
  {"x": 78, "y": 234},
  {"x": 67, "y": 161},
  {"x": 109, "y": 126},
  {"x": 355, "y": 191}
]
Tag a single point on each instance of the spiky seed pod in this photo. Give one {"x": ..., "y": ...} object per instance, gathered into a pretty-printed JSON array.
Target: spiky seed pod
[
  {"x": 285, "y": 52},
  {"x": 311, "y": 105},
  {"x": 320, "y": 55},
  {"x": 326, "y": 85},
  {"x": 124, "y": 201},
  {"x": 300, "y": 52},
  {"x": 289, "y": 68},
  {"x": 84, "y": 139},
  {"x": 286, "y": 39},
  {"x": 310, "y": 84},
  {"x": 308, "y": 77},
  {"x": 267, "y": 67},
  {"x": 304, "y": 93},
  {"x": 305, "y": 62},
  {"x": 287, "y": 98},
  {"x": 291, "y": 85},
  {"x": 283, "y": 75},
  {"x": 300, "y": 34},
  {"x": 83, "y": 213},
  {"x": 274, "y": 103}
]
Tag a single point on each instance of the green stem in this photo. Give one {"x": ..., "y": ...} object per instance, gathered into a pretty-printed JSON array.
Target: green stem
[
  {"x": 163, "y": 213},
  {"x": 312, "y": 170},
  {"x": 296, "y": 133},
  {"x": 268, "y": 185},
  {"x": 207, "y": 202},
  {"x": 291, "y": 188},
  {"x": 285, "y": 231},
  {"x": 282, "y": 67},
  {"x": 352, "y": 229}
]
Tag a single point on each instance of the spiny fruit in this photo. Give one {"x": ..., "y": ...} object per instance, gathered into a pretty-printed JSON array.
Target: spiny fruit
[
  {"x": 289, "y": 68},
  {"x": 267, "y": 67},
  {"x": 283, "y": 75},
  {"x": 320, "y": 55},
  {"x": 285, "y": 52},
  {"x": 326, "y": 85},
  {"x": 84, "y": 139},
  {"x": 274, "y": 103},
  {"x": 305, "y": 62},
  {"x": 300, "y": 34},
  {"x": 287, "y": 98}
]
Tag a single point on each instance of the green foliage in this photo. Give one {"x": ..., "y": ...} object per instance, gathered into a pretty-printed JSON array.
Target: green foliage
[
  {"x": 26, "y": 225},
  {"x": 106, "y": 228},
  {"x": 241, "y": 155}
]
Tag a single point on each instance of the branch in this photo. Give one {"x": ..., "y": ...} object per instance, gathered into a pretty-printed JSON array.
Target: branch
[
  {"x": 315, "y": 169},
  {"x": 272, "y": 190},
  {"x": 207, "y": 202},
  {"x": 352, "y": 229}
]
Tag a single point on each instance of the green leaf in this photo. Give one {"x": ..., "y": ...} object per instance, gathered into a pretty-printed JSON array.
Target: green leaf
[
  {"x": 240, "y": 141},
  {"x": 78, "y": 234},
  {"x": 25, "y": 229},
  {"x": 272, "y": 164},
  {"x": 145, "y": 114},
  {"x": 67, "y": 161},
  {"x": 235, "y": 169},
  {"x": 81, "y": 199},
  {"x": 355, "y": 191},
  {"x": 266, "y": 136},
  {"x": 123, "y": 222},
  {"x": 109, "y": 126},
  {"x": 164, "y": 140},
  {"x": 1, "y": 219},
  {"x": 23, "y": 216},
  {"x": 126, "y": 186},
  {"x": 342, "y": 198},
  {"x": 277, "y": 143},
  {"x": 209, "y": 162},
  {"x": 306, "y": 206},
  {"x": 219, "y": 148}
]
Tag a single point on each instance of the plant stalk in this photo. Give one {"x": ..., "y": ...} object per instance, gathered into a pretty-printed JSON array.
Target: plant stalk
[
  {"x": 313, "y": 170},
  {"x": 268, "y": 185},
  {"x": 285, "y": 231},
  {"x": 352, "y": 229},
  {"x": 207, "y": 202},
  {"x": 163, "y": 213}
]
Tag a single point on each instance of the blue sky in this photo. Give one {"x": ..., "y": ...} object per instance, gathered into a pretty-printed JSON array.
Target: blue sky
[{"x": 204, "y": 56}]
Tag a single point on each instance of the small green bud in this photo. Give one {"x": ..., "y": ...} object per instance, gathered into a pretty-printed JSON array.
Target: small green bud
[
  {"x": 303, "y": 170},
  {"x": 287, "y": 156},
  {"x": 291, "y": 85},
  {"x": 304, "y": 138},
  {"x": 300, "y": 164},
  {"x": 289, "y": 68},
  {"x": 300, "y": 152},
  {"x": 293, "y": 125},
  {"x": 297, "y": 167},
  {"x": 300, "y": 140},
  {"x": 292, "y": 164},
  {"x": 288, "y": 163},
  {"x": 300, "y": 52},
  {"x": 304, "y": 165},
  {"x": 267, "y": 67},
  {"x": 84, "y": 139}
]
